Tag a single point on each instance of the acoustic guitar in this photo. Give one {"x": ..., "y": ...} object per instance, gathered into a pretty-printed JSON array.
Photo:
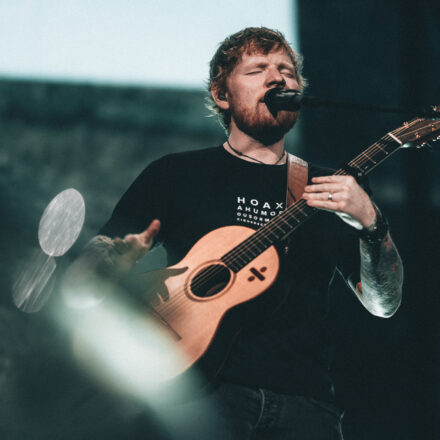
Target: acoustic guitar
[{"x": 234, "y": 264}]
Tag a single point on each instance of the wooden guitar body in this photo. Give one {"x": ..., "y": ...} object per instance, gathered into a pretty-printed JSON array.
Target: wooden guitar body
[
  {"x": 190, "y": 298},
  {"x": 234, "y": 264}
]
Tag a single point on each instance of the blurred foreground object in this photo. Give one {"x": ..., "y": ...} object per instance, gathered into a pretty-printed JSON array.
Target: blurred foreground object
[
  {"x": 61, "y": 222},
  {"x": 60, "y": 226}
]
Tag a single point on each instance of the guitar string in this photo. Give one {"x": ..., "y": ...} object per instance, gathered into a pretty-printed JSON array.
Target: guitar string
[
  {"x": 275, "y": 222},
  {"x": 361, "y": 159}
]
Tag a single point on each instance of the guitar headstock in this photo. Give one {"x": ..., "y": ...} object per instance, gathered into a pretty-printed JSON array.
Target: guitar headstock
[{"x": 419, "y": 131}]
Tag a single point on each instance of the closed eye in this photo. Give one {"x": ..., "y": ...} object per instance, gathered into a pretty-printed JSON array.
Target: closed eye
[{"x": 287, "y": 72}]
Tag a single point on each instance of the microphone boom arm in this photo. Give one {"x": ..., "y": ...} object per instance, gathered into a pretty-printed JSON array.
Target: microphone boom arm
[{"x": 291, "y": 100}]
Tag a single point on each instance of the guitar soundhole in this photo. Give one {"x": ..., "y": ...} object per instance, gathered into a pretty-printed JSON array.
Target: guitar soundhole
[{"x": 210, "y": 281}]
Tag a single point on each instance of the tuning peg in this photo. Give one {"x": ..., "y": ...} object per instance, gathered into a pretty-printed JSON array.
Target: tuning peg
[
  {"x": 412, "y": 146},
  {"x": 433, "y": 112}
]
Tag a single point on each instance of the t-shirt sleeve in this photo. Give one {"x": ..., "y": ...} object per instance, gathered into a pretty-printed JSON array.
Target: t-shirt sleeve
[{"x": 141, "y": 203}]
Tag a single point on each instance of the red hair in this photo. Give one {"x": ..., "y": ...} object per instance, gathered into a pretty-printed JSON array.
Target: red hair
[{"x": 249, "y": 40}]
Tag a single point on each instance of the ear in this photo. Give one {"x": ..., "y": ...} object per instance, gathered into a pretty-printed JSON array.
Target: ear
[{"x": 220, "y": 98}]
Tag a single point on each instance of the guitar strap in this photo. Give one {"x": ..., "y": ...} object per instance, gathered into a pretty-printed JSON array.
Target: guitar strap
[{"x": 297, "y": 177}]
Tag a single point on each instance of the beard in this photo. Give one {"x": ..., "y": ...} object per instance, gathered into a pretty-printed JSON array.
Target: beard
[{"x": 260, "y": 124}]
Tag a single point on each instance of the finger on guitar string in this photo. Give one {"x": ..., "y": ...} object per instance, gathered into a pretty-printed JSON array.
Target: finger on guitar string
[
  {"x": 324, "y": 187},
  {"x": 324, "y": 204},
  {"x": 347, "y": 197},
  {"x": 333, "y": 179},
  {"x": 325, "y": 196}
]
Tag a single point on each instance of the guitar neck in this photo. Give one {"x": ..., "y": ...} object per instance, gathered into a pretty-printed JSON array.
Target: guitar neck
[{"x": 279, "y": 228}]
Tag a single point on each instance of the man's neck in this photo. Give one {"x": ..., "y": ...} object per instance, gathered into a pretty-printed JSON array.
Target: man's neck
[{"x": 252, "y": 150}]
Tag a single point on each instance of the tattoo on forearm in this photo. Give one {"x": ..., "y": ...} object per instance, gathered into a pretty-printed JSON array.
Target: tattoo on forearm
[{"x": 381, "y": 277}]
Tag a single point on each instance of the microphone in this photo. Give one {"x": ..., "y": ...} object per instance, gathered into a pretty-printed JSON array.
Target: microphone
[
  {"x": 291, "y": 100},
  {"x": 278, "y": 99}
]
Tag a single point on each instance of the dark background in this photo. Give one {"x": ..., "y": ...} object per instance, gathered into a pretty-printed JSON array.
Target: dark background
[{"x": 97, "y": 139}]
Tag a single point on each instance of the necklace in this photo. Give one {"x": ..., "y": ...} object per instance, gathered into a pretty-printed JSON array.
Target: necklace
[{"x": 239, "y": 153}]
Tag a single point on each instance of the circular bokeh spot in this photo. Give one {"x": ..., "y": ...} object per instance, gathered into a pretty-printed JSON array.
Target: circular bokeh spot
[{"x": 61, "y": 222}]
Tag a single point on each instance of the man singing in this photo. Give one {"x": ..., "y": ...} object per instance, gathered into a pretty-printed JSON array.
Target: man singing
[{"x": 275, "y": 382}]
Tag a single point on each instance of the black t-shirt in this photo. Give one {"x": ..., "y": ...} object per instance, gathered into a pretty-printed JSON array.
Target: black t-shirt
[{"x": 193, "y": 193}]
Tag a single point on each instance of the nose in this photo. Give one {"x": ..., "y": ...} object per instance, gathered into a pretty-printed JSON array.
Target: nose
[{"x": 274, "y": 78}]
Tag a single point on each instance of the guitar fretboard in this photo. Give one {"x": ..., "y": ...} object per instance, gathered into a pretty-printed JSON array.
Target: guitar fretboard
[{"x": 299, "y": 212}]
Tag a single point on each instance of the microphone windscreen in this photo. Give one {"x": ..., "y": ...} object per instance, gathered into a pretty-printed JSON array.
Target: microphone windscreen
[{"x": 277, "y": 99}]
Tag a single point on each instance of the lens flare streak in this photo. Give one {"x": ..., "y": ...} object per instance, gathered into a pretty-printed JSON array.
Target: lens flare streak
[{"x": 30, "y": 290}]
